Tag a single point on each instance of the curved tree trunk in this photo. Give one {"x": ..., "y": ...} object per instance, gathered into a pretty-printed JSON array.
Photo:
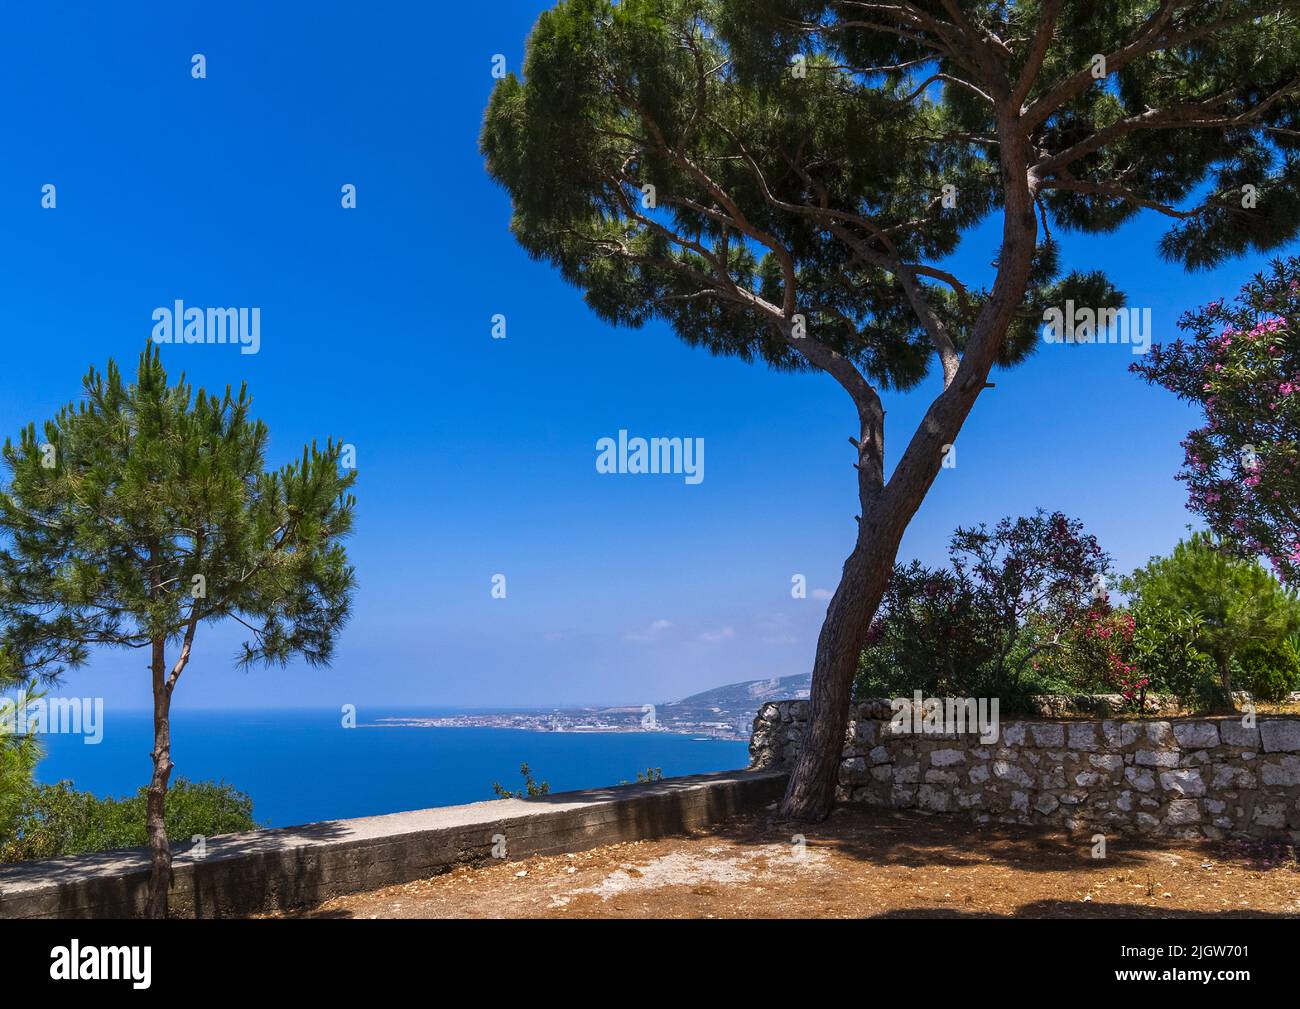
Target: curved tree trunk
[
  {"x": 811, "y": 791},
  {"x": 160, "y": 850},
  {"x": 887, "y": 508}
]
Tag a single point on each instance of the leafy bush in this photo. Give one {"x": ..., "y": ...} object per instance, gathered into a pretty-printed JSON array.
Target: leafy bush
[
  {"x": 1245, "y": 617},
  {"x": 977, "y": 630},
  {"x": 929, "y": 635},
  {"x": 1165, "y": 652},
  {"x": 19, "y": 752},
  {"x": 56, "y": 820},
  {"x": 1023, "y": 612},
  {"x": 1269, "y": 673},
  {"x": 530, "y": 790},
  {"x": 1092, "y": 654}
]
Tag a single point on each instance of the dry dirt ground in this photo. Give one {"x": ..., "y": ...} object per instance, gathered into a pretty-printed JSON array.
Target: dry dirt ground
[{"x": 858, "y": 864}]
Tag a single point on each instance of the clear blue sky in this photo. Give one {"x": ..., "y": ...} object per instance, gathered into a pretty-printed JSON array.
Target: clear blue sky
[{"x": 476, "y": 456}]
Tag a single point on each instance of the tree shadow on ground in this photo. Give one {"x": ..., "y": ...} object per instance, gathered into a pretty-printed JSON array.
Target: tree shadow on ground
[{"x": 911, "y": 838}]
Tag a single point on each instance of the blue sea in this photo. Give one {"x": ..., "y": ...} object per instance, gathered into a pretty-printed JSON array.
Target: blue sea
[{"x": 301, "y": 766}]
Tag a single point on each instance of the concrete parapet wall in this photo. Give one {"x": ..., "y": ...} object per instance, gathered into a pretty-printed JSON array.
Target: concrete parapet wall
[{"x": 288, "y": 867}]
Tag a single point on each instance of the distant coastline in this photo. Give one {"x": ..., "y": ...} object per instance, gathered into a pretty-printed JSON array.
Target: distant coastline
[
  {"x": 565, "y": 721},
  {"x": 723, "y": 713}
]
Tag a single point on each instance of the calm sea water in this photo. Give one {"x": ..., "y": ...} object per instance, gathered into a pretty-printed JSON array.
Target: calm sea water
[{"x": 301, "y": 766}]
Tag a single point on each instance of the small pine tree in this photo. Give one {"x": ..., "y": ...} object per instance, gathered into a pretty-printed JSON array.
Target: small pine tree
[
  {"x": 144, "y": 512},
  {"x": 1243, "y": 613}
]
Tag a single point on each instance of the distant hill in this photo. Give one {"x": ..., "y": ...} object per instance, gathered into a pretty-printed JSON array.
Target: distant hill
[
  {"x": 734, "y": 705},
  {"x": 749, "y": 694}
]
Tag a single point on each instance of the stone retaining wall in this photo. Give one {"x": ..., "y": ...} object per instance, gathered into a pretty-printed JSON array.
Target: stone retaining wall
[{"x": 1184, "y": 777}]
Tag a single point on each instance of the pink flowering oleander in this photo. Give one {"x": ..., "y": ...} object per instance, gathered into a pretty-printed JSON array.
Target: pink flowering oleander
[{"x": 1236, "y": 360}]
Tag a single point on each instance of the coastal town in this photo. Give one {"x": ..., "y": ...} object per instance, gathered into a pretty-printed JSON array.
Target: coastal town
[{"x": 721, "y": 713}]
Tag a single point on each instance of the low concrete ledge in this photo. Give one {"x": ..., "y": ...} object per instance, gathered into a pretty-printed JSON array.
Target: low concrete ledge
[{"x": 265, "y": 870}]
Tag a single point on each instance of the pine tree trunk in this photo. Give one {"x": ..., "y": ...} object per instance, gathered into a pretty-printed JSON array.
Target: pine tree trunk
[
  {"x": 1225, "y": 677},
  {"x": 160, "y": 848},
  {"x": 887, "y": 509},
  {"x": 811, "y": 791}
]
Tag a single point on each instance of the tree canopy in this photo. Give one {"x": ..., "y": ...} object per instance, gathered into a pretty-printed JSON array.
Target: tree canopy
[
  {"x": 799, "y": 155},
  {"x": 145, "y": 510},
  {"x": 1241, "y": 366}
]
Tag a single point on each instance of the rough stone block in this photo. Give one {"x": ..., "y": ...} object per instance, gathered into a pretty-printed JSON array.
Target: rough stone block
[
  {"x": 1182, "y": 812},
  {"x": 1280, "y": 771},
  {"x": 1012, "y": 773},
  {"x": 947, "y": 758},
  {"x": 1046, "y": 734},
  {"x": 1112, "y": 762},
  {"x": 1182, "y": 782},
  {"x": 1234, "y": 733},
  {"x": 1082, "y": 736},
  {"x": 1196, "y": 735},
  {"x": 1161, "y": 735},
  {"x": 1157, "y": 758},
  {"x": 1280, "y": 735}
]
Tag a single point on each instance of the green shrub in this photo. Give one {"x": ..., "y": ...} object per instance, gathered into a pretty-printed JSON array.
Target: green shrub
[
  {"x": 1269, "y": 673},
  {"x": 1166, "y": 654},
  {"x": 19, "y": 752},
  {"x": 1245, "y": 617},
  {"x": 983, "y": 627},
  {"x": 58, "y": 820},
  {"x": 531, "y": 788},
  {"x": 1019, "y": 613}
]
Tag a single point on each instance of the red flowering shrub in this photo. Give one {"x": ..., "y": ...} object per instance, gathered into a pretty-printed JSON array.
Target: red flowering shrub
[{"x": 975, "y": 630}]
